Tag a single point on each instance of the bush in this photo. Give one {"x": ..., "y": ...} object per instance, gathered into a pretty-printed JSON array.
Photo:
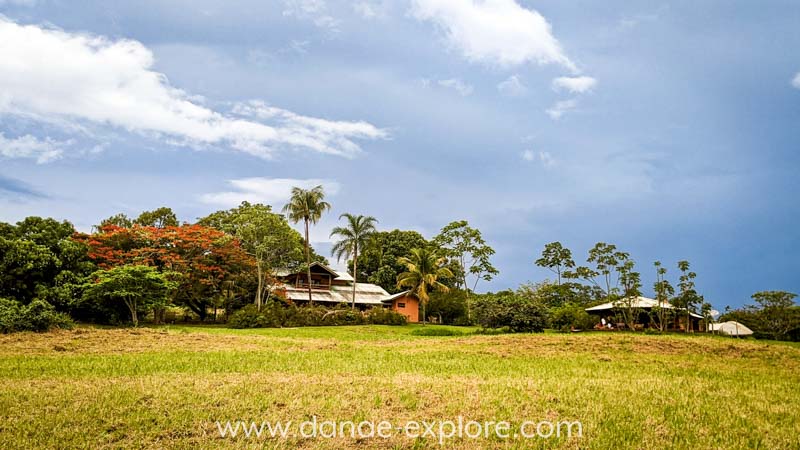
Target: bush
[
  {"x": 507, "y": 309},
  {"x": 571, "y": 316},
  {"x": 38, "y": 315},
  {"x": 277, "y": 315},
  {"x": 436, "y": 332}
]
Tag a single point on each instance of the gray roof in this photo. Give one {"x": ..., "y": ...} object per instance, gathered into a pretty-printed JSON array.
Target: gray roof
[
  {"x": 366, "y": 294},
  {"x": 639, "y": 302}
]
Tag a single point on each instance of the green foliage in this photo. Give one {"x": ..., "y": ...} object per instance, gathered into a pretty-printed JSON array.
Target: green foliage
[
  {"x": 449, "y": 307},
  {"x": 120, "y": 220},
  {"x": 38, "y": 315},
  {"x": 558, "y": 259},
  {"x": 276, "y": 315},
  {"x": 570, "y": 316},
  {"x": 39, "y": 259},
  {"x": 508, "y": 309},
  {"x": 352, "y": 238},
  {"x": 774, "y": 316},
  {"x": 380, "y": 264},
  {"x": 424, "y": 272},
  {"x": 554, "y": 295},
  {"x": 464, "y": 246},
  {"x": 140, "y": 288},
  {"x": 159, "y": 218},
  {"x": 436, "y": 332}
]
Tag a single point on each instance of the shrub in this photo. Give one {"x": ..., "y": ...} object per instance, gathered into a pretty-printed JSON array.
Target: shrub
[
  {"x": 278, "y": 314},
  {"x": 571, "y": 316},
  {"x": 436, "y": 332},
  {"x": 38, "y": 315},
  {"x": 507, "y": 309}
]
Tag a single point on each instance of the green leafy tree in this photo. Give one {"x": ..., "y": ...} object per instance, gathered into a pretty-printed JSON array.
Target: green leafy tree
[
  {"x": 465, "y": 247},
  {"x": 687, "y": 296},
  {"x": 141, "y": 288},
  {"x": 121, "y": 220},
  {"x": 606, "y": 259},
  {"x": 424, "y": 270},
  {"x": 664, "y": 291},
  {"x": 267, "y": 237},
  {"x": 352, "y": 237},
  {"x": 506, "y": 309},
  {"x": 558, "y": 259},
  {"x": 307, "y": 205},
  {"x": 380, "y": 264},
  {"x": 775, "y": 313},
  {"x": 159, "y": 218},
  {"x": 631, "y": 284}
]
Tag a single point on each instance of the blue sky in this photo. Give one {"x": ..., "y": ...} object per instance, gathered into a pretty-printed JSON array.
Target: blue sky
[{"x": 669, "y": 129}]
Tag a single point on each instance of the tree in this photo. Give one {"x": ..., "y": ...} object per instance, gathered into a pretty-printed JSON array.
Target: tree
[
  {"x": 379, "y": 262},
  {"x": 664, "y": 291},
  {"x": 687, "y": 296},
  {"x": 353, "y": 235},
  {"x": 202, "y": 258},
  {"x": 424, "y": 269},
  {"x": 120, "y": 220},
  {"x": 465, "y": 246},
  {"x": 308, "y": 206},
  {"x": 267, "y": 237},
  {"x": 556, "y": 258},
  {"x": 159, "y": 218},
  {"x": 515, "y": 312},
  {"x": 141, "y": 288},
  {"x": 775, "y": 312},
  {"x": 630, "y": 281},
  {"x": 606, "y": 259}
]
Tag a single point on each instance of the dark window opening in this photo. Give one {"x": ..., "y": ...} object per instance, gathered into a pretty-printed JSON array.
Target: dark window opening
[{"x": 401, "y": 305}]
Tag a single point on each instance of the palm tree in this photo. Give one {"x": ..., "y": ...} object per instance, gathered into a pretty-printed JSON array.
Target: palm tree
[
  {"x": 353, "y": 236},
  {"x": 424, "y": 269},
  {"x": 308, "y": 206}
]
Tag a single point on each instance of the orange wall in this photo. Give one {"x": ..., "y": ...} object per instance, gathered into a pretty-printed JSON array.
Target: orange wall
[{"x": 411, "y": 309}]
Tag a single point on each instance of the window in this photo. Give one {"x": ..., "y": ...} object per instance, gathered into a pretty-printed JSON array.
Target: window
[{"x": 401, "y": 305}]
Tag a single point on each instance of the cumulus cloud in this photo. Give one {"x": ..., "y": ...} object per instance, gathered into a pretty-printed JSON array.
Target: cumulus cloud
[
  {"x": 796, "y": 81},
  {"x": 42, "y": 150},
  {"x": 457, "y": 85},
  {"x": 545, "y": 158},
  {"x": 55, "y": 75},
  {"x": 575, "y": 85},
  {"x": 494, "y": 32},
  {"x": 512, "y": 87},
  {"x": 561, "y": 108},
  {"x": 269, "y": 191},
  {"x": 371, "y": 9},
  {"x": 528, "y": 155}
]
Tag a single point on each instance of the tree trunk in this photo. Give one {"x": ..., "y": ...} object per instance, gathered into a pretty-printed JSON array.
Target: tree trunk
[
  {"x": 260, "y": 286},
  {"x": 132, "y": 307},
  {"x": 355, "y": 274},
  {"x": 308, "y": 265},
  {"x": 423, "y": 311}
]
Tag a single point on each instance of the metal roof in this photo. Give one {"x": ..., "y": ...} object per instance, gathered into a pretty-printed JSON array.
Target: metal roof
[
  {"x": 366, "y": 294},
  {"x": 639, "y": 302}
]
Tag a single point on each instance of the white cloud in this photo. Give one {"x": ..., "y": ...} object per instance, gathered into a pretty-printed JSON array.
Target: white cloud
[
  {"x": 371, "y": 9},
  {"x": 546, "y": 159},
  {"x": 528, "y": 155},
  {"x": 512, "y": 87},
  {"x": 55, "y": 75},
  {"x": 43, "y": 151},
  {"x": 575, "y": 85},
  {"x": 561, "y": 108},
  {"x": 313, "y": 10},
  {"x": 796, "y": 81},
  {"x": 494, "y": 32},
  {"x": 457, "y": 85},
  {"x": 269, "y": 191}
]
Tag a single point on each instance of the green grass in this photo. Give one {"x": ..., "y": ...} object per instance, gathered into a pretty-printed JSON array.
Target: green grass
[{"x": 165, "y": 387}]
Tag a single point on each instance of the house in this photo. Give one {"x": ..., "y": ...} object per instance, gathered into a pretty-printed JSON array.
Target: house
[
  {"x": 330, "y": 288},
  {"x": 645, "y": 306}
]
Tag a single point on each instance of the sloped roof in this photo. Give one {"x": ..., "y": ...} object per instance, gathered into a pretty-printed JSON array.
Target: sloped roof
[
  {"x": 639, "y": 302},
  {"x": 340, "y": 276},
  {"x": 731, "y": 328},
  {"x": 366, "y": 294}
]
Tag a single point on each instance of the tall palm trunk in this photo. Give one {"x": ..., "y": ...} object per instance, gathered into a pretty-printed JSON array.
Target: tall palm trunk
[
  {"x": 355, "y": 274},
  {"x": 308, "y": 265}
]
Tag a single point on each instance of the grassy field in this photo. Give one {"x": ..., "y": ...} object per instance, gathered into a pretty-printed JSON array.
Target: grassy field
[{"x": 167, "y": 387}]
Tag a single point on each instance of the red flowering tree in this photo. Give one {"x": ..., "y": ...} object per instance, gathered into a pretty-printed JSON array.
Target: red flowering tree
[{"x": 201, "y": 258}]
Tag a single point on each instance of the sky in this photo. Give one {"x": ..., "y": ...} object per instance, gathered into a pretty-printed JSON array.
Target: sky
[{"x": 671, "y": 130}]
